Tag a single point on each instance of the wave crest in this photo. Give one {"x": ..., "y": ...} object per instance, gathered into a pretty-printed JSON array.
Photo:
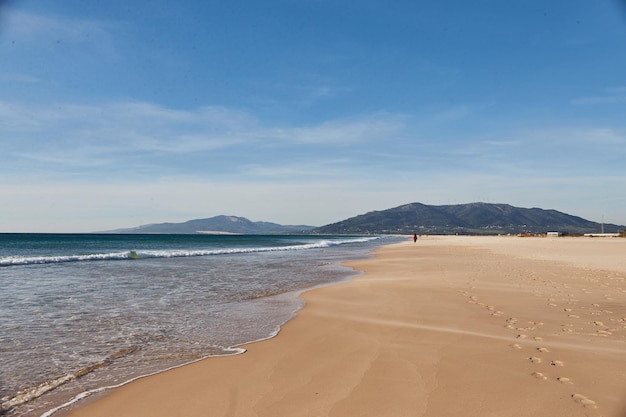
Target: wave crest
[{"x": 172, "y": 253}]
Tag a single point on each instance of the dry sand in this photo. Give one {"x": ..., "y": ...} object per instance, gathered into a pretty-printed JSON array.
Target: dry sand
[{"x": 448, "y": 326}]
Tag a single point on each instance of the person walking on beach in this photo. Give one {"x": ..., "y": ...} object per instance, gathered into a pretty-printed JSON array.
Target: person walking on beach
[{"x": 415, "y": 238}]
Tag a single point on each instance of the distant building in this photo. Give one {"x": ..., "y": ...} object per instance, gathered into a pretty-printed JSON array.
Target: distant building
[
  {"x": 553, "y": 234},
  {"x": 602, "y": 234}
]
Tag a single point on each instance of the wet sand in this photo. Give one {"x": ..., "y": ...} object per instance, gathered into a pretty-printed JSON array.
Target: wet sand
[{"x": 447, "y": 326}]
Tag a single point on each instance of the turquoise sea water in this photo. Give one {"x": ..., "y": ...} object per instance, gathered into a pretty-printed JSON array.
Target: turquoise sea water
[{"x": 83, "y": 312}]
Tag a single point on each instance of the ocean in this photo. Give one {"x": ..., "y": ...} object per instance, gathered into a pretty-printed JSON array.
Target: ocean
[{"x": 81, "y": 313}]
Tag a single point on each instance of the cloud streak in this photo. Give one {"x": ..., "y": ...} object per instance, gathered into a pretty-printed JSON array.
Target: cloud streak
[
  {"x": 125, "y": 163},
  {"x": 32, "y": 27},
  {"x": 68, "y": 136},
  {"x": 612, "y": 95},
  {"x": 115, "y": 138}
]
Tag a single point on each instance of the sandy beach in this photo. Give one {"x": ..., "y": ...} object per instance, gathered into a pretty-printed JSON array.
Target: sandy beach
[{"x": 447, "y": 326}]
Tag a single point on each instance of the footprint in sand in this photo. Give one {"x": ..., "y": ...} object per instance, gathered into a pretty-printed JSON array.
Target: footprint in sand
[
  {"x": 538, "y": 338},
  {"x": 598, "y": 323},
  {"x": 521, "y": 336},
  {"x": 510, "y": 323},
  {"x": 539, "y": 375},
  {"x": 564, "y": 380},
  {"x": 516, "y": 346},
  {"x": 557, "y": 363},
  {"x": 535, "y": 359},
  {"x": 573, "y": 316},
  {"x": 543, "y": 350},
  {"x": 584, "y": 401}
]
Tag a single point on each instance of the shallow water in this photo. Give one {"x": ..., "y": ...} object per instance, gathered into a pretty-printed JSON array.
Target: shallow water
[{"x": 78, "y": 312}]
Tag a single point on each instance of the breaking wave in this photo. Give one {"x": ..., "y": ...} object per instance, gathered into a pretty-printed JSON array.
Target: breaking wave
[{"x": 172, "y": 253}]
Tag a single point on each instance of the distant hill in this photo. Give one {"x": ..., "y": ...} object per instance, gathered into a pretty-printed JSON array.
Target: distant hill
[
  {"x": 216, "y": 225},
  {"x": 472, "y": 218}
]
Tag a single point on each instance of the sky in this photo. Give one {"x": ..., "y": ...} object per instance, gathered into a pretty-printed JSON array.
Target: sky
[{"x": 122, "y": 113}]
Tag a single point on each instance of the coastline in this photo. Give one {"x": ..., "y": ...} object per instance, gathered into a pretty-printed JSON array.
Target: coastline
[{"x": 445, "y": 326}]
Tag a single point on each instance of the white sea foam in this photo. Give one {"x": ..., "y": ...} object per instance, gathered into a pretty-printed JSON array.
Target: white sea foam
[
  {"x": 33, "y": 260},
  {"x": 138, "y": 254},
  {"x": 30, "y": 393}
]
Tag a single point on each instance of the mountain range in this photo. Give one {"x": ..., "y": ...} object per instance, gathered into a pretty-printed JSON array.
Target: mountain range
[
  {"x": 471, "y": 218},
  {"x": 217, "y": 225}
]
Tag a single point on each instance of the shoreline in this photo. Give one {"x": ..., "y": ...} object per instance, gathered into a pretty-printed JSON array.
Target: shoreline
[
  {"x": 125, "y": 333},
  {"x": 94, "y": 394},
  {"x": 445, "y": 326}
]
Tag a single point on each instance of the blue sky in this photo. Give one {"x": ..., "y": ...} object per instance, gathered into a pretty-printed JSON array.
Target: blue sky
[{"x": 120, "y": 113}]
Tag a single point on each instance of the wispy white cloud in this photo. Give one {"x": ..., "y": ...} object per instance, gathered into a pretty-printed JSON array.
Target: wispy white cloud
[
  {"x": 13, "y": 77},
  {"x": 215, "y": 160},
  {"x": 324, "y": 167},
  {"x": 312, "y": 90},
  {"x": 122, "y": 134},
  {"x": 554, "y": 143},
  {"x": 30, "y": 26},
  {"x": 611, "y": 95},
  {"x": 37, "y": 32},
  {"x": 616, "y": 90},
  {"x": 580, "y": 140},
  {"x": 608, "y": 99},
  {"x": 342, "y": 132}
]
